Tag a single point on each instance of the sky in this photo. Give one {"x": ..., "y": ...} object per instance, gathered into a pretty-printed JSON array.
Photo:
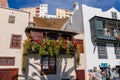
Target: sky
[{"x": 64, "y": 4}]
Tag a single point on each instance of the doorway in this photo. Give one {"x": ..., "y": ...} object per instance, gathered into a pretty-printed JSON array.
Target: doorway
[
  {"x": 80, "y": 74},
  {"x": 9, "y": 74}
]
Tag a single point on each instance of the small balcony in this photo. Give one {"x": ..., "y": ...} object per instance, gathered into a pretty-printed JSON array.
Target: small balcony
[
  {"x": 49, "y": 42},
  {"x": 106, "y": 35},
  {"x": 105, "y": 29}
]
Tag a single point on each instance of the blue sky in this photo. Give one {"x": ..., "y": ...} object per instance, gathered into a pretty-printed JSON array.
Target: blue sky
[{"x": 64, "y": 4}]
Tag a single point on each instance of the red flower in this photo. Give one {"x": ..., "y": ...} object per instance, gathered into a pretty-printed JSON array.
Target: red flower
[
  {"x": 36, "y": 41},
  {"x": 75, "y": 43}
]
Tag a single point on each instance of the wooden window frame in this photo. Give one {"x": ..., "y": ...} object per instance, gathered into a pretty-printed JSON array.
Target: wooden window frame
[
  {"x": 52, "y": 36},
  {"x": 11, "y": 19},
  {"x": 117, "y": 50},
  {"x": 114, "y": 15},
  {"x": 37, "y": 36},
  {"x": 102, "y": 51},
  {"x": 50, "y": 70},
  {"x": 7, "y": 61},
  {"x": 15, "y": 41}
]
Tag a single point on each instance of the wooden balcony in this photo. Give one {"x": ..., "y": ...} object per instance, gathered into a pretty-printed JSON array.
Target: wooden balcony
[
  {"x": 104, "y": 29},
  {"x": 49, "y": 42},
  {"x": 104, "y": 35}
]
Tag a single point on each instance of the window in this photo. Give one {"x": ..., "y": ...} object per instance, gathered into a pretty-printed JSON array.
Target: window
[
  {"x": 99, "y": 24},
  {"x": 45, "y": 5},
  {"x": 58, "y": 16},
  {"x": 37, "y": 14},
  {"x": 37, "y": 36},
  {"x": 41, "y": 5},
  {"x": 114, "y": 15},
  {"x": 70, "y": 14},
  {"x": 11, "y": 19},
  {"x": 48, "y": 65},
  {"x": 15, "y": 41},
  {"x": 52, "y": 36},
  {"x": 117, "y": 51},
  {"x": 102, "y": 52},
  {"x": 80, "y": 45},
  {"x": 7, "y": 61}
]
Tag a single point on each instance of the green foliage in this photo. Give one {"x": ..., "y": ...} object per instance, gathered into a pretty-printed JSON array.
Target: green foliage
[
  {"x": 50, "y": 51},
  {"x": 50, "y": 47},
  {"x": 68, "y": 51},
  {"x": 41, "y": 50}
]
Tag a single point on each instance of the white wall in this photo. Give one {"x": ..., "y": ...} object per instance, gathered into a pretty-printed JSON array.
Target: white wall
[
  {"x": 80, "y": 24},
  {"x": 31, "y": 10},
  {"x": 88, "y": 44},
  {"x": 65, "y": 68},
  {"x": 75, "y": 23},
  {"x": 21, "y": 22},
  {"x": 51, "y": 16},
  {"x": 43, "y": 10},
  {"x": 90, "y": 49}
]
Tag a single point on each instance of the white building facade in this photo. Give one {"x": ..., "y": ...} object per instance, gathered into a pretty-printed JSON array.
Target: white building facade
[
  {"x": 34, "y": 11},
  {"x": 40, "y": 11},
  {"x": 43, "y": 10},
  {"x": 100, "y": 49},
  {"x": 46, "y": 67},
  {"x": 63, "y": 13},
  {"x": 13, "y": 24}
]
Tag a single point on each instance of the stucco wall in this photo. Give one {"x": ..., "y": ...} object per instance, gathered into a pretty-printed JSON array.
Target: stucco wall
[
  {"x": 65, "y": 66},
  {"x": 7, "y": 29},
  {"x": 91, "y": 49},
  {"x": 80, "y": 23},
  {"x": 31, "y": 10},
  {"x": 75, "y": 22}
]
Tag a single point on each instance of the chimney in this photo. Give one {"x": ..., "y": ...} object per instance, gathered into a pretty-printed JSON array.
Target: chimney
[{"x": 75, "y": 6}]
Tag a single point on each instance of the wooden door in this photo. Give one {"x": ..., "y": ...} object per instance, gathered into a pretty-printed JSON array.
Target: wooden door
[
  {"x": 9, "y": 74},
  {"x": 80, "y": 75}
]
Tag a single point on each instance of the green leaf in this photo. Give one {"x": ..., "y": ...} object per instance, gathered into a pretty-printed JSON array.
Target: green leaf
[
  {"x": 68, "y": 51},
  {"x": 41, "y": 51},
  {"x": 50, "y": 51}
]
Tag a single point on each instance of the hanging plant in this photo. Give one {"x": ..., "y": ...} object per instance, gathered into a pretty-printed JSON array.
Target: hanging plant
[
  {"x": 49, "y": 47},
  {"x": 78, "y": 59}
]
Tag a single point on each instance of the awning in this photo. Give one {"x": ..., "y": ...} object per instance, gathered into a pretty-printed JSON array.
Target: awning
[{"x": 104, "y": 65}]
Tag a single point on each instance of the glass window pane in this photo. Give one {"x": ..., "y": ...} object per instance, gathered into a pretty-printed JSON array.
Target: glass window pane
[
  {"x": 102, "y": 52},
  {"x": 15, "y": 41}
]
